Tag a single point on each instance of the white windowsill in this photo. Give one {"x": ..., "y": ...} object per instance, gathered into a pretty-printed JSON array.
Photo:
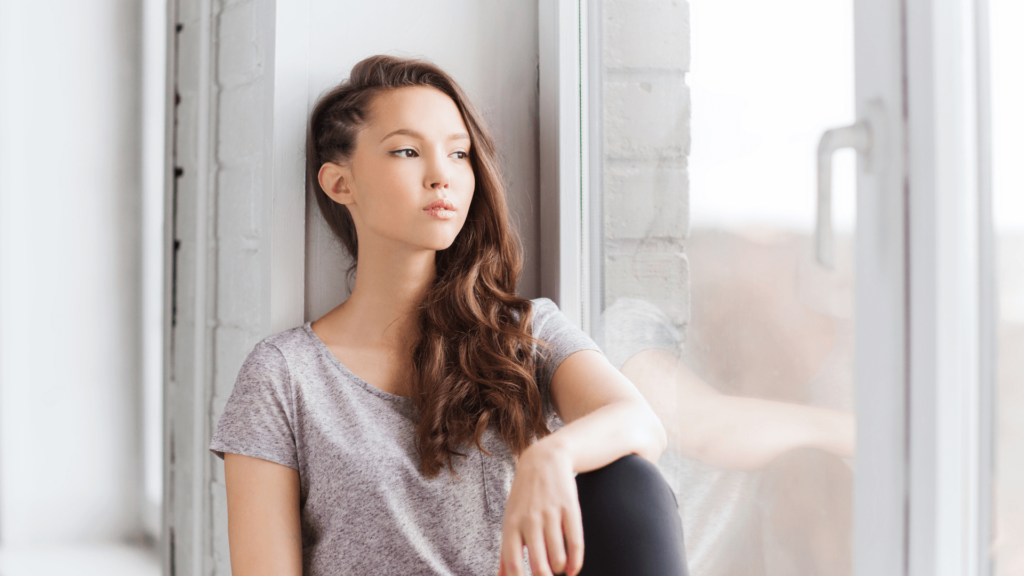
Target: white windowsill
[{"x": 79, "y": 559}]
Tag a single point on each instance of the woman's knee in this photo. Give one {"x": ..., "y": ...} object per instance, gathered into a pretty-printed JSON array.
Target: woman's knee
[
  {"x": 630, "y": 520},
  {"x": 631, "y": 479}
]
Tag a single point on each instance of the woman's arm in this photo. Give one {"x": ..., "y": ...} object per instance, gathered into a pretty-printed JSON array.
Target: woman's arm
[
  {"x": 605, "y": 418},
  {"x": 732, "y": 432},
  {"x": 264, "y": 532}
]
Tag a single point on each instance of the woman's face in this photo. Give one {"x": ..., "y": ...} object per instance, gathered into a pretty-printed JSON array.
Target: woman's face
[{"x": 410, "y": 158}]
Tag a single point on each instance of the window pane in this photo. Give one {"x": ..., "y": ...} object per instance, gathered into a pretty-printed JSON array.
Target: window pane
[
  {"x": 1007, "y": 45},
  {"x": 710, "y": 298}
]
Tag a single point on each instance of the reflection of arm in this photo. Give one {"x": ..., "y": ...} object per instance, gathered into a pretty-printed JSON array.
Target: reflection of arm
[{"x": 731, "y": 432}]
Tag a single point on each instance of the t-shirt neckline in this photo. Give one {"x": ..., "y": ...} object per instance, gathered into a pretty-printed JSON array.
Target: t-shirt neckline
[{"x": 325, "y": 351}]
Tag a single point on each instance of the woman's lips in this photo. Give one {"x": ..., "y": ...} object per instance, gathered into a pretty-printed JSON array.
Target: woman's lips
[
  {"x": 440, "y": 213},
  {"x": 441, "y": 209}
]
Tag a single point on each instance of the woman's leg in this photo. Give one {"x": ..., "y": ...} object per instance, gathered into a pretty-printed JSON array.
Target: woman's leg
[{"x": 631, "y": 523}]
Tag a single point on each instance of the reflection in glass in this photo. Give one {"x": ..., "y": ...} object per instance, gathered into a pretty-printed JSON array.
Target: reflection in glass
[
  {"x": 759, "y": 455},
  {"x": 709, "y": 300}
]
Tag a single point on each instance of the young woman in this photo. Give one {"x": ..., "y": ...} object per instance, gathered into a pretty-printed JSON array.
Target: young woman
[{"x": 434, "y": 421}]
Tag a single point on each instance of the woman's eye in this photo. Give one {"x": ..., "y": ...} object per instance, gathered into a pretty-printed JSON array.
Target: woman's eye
[
  {"x": 461, "y": 155},
  {"x": 405, "y": 153}
]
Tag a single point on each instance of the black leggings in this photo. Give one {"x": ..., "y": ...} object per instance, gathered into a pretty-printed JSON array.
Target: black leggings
[{"x": 631, "y": 522}]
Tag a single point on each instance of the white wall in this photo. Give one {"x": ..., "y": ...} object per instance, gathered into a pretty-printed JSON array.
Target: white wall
[
  {"x": 490, "y": 48},
  {"x": 69, "y": 271}
]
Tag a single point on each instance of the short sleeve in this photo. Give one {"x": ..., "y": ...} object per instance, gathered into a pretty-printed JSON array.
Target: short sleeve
[
  {"x": 630, "y": 326},
  {"x": 563, "y": 338},
  {"x": 258, "y": 419}
]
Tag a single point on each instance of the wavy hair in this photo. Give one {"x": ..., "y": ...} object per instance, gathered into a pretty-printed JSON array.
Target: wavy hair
[{"x": 474, "y": 362}]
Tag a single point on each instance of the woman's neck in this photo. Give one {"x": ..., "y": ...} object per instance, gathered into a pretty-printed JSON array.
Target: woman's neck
[{"x": 390, "y": 285}]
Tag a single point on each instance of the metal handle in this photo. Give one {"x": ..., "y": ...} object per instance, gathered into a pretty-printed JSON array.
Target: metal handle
[{"x": 861, "y": 136}]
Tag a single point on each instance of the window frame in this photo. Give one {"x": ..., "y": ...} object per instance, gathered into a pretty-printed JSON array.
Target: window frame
[
  {"x": 563, "y": 136},
  {"x": 951, "y": 305}
]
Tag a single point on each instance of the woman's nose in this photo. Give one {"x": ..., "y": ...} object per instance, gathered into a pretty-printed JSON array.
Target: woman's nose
[{"x": 437, "y": 175}]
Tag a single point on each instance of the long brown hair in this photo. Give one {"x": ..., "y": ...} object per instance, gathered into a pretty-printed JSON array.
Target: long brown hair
[{"x": 474, "y": 365}]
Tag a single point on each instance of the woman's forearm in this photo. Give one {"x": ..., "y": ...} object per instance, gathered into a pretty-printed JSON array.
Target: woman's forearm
[
  {"x": 607, "y": 434},
  {"x": 748, "y": 433}
]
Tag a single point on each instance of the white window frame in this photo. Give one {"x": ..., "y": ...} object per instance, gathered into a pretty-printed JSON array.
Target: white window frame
[
  {"x": 157, "y": 98},
  {"x": 950, "y": 288},
  {"x": 563, "y": 251},
  {"x": 924, "y": 346}
]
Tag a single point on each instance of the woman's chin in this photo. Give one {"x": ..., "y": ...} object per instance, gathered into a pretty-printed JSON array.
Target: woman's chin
[
  {"x": 443, "y": 245},
  {"x": 438, "y": 243}
]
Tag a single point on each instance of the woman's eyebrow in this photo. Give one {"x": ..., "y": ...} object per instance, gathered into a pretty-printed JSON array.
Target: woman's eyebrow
[{"x": 415, "y": 134}]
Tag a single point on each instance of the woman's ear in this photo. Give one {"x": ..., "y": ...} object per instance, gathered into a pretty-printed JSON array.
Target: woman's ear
[{"x": 335, "y": 181}]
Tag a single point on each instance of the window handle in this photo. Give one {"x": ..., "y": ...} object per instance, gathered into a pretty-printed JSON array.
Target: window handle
[{"x": 858, "y": 136}]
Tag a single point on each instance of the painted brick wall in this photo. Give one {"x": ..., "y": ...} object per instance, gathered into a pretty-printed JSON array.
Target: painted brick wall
[
  {"x": 646, "y": 123},
  {"x": 223, "y": 83},
  {"x": 243, "y": 127}
]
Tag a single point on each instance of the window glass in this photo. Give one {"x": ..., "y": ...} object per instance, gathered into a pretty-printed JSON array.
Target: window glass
[
  {"x": 708, "y": 296},
  {"x": 1007, "y": 88}
]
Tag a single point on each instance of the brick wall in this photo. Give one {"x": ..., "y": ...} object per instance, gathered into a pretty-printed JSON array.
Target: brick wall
[
  {"x": 224, "y": 84},
  {"x": 646, "y": 125},
  {"x": 242, "y": 243}
]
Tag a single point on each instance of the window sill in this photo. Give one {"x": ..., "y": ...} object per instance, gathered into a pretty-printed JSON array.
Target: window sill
[{"x": 80, "y": 559}]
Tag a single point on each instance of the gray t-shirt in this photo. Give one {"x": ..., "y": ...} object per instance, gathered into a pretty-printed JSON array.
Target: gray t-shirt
[{"x": 365, "y": 506}]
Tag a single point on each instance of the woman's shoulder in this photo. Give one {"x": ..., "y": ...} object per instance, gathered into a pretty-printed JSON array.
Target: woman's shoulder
[
  {"x": 283, "y": 348},
  {"x": 546, "y": 311},
  {"x": 552, "y": 326},
  {"x": 289, "y": 339},
  {"x": 543, "y": 302},
  {"x": 543, "y": 307},
  {"x": 260, "y": 415}
]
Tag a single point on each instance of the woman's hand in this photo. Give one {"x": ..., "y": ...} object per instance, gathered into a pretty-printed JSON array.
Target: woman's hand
[
  {"x": 605, "y": 419},
  {"x": 542, "y": 509}
]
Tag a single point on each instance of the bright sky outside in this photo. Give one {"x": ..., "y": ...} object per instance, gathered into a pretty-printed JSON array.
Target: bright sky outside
[{"x": 768, "y": 78}]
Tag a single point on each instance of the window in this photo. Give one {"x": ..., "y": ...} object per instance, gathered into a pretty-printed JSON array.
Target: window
[{"x": 716, "y": 247}]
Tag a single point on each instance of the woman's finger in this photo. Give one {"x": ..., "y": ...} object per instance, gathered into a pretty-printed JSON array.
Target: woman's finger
[
  {"x": 572, "y": 524},
  {"x": 501, "y": 566},
  {"x": 555, "y": 544},
  {"x": 512, "y": 554},
  {"x": 538, "y": 551}
]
